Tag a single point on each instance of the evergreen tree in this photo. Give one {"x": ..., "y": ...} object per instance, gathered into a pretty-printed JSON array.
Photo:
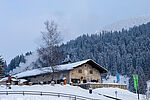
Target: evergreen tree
[{"x": 2, "y": 66}]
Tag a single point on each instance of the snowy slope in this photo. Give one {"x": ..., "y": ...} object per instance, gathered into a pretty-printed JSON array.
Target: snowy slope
[
  {"x": 30, "y": 60},
  {"x": 67, "y": 89},
  {"x": 127, "y": 23},
  {"x": 121, "y": 94}
]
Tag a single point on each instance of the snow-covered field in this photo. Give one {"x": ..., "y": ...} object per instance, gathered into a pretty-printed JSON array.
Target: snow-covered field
[
  {"x": 67, "y": 89},
  {"x": 121, "y": 94}
]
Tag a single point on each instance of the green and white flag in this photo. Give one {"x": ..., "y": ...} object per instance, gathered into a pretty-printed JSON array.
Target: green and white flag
[{"x": 136, "y": 84}]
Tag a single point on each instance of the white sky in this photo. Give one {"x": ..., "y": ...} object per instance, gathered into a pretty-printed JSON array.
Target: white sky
[{"x": 21, "y": 21}]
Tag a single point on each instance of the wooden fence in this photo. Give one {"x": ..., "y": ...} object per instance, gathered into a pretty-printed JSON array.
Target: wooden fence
[{"x": 70, "y": 96}]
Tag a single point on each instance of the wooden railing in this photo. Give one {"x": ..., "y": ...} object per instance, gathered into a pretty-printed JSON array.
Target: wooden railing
[{"x": 70, "y": 96}]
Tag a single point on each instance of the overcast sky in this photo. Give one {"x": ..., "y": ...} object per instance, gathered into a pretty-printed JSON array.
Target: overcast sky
[{"x": 21, "y": 21}]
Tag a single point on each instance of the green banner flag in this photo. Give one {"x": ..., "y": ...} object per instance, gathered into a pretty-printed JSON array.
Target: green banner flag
[
  {"x": 136, "y": 84},
  {"x": 134, "y": 80}
]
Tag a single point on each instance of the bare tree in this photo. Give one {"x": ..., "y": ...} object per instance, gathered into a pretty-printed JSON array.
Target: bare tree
[{"x": 50, "y": 50}]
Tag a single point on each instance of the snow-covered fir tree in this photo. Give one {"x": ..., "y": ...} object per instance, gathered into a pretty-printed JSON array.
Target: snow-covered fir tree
[{"x": 2, "y": 66}]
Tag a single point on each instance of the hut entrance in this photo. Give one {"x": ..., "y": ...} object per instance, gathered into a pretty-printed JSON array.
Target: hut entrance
[{"x": 84, "y": 81}]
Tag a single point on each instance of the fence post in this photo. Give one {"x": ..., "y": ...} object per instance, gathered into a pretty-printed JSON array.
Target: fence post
[
  {"x": 58, "y": 95},
  {"x": 7, "y": 93},
  {"x": 23, "y": 92},
  {"x": 41, "y": 93},
  {"x": 75, "y": 98}
]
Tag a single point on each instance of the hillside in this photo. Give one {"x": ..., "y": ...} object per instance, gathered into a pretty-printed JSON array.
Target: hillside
[
  {"x": 125, "y": 52},
  {"x": 29, "y": 63},
  {"x": 23, "y": 62}
]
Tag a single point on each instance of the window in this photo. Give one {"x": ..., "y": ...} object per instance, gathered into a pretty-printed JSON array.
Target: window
[
  {"x": 80, "y": 71},
  {"x": 75, "y": 80},
  {"x": 91, "y": 71},
  {"x": 94, "y": 80}
]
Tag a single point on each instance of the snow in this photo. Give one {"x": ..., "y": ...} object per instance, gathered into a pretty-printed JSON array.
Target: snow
[
  {"x": 124, "y": 80},
  {"x": 4, "y": 79},
  {"x": 72, "y": 65},
  {"x": 30, "y": 59},
  {"x": 148, "y": 88},
  {"x": 127, "y": 23},
  {"x": 67, "y": 59},
  {"x": 13, "y": 79},
  {"x": 44, "y": 70},
  {"x": 22, "y": 81},
  {"x": 67, "y": 89},
  {"x": 121, "y": 93},
  {"x": 33, "y": 72},
  {"x": 148, "y": 84}
]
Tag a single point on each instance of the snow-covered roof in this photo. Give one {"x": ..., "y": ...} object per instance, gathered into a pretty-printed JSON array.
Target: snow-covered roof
[
  {"x": 33, "y": 72},
  {"x": 63, "y": 67},
  {"x": 66, "y": 60},
  {"x": 22, "y": 80},
  {"x": 4, "y": 79},
  {"x": 71, "y": 66}
]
